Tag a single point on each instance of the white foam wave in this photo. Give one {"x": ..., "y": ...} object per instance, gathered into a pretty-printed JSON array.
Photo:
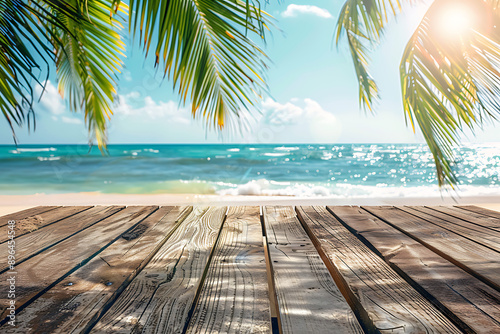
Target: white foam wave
[
  {"x": 45, "y": 149},
  {"x": 265, "y": 187},
  {"x": 233, "y": 150},
  {"x": 276, "y": 154},
  {"x": 268, "y": 188},
  {"x": 49, "y": 158},
  {"x": 284, "y": 148}
]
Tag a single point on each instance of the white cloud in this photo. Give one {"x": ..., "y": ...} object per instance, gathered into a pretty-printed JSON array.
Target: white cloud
[
  {"x": 71, "y": 120},
  {"x": 294, "y": 10},
  {"x": 51, "y": 101},
  {"x": 151, "y": 109},
  {"x": 296, "y": 121},
  {"x": 280, "y": 114}
]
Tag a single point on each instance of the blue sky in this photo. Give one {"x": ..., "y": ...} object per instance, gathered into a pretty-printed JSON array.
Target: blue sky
[{"x": 312, "y": 84}]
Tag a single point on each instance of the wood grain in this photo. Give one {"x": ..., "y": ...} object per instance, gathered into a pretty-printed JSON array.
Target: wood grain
[
  {"x": 41, "y": 272},
  {"x": 482, "y": 235},
  {"x": 234, "y": 297},
  {"x": 38, "y": 221},
  {"x": 478, "y": 260},
  {"x": 480, "y": 210},
  {"x": 160, "y": 298},
  {"x": 25, "y": 213},
  {"x": 470, "y": 216},
  {"x": 308, "y": 298},
  {"x": 384, "y": 300},
  {"x": 471, "y": 304},
  {"x": 32, "y": 243},
  {"x": 76, "y": 303}
]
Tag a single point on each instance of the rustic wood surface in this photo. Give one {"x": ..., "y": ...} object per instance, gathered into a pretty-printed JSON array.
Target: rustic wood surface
[
  {"x": 481, "y": 211},
  {"x": 160, "y": 298},
  {"x": 75, "y": 304},
  {"x": 471, "y": 216},
  {"x": 234, "y": 297},
  {"x": 38, "y": 221},
  {"x": 37, "y": 241},
  {"x": 479, "y": 234},
  {"x": 480, "y": 261},
  {"x": 472, "y": 305},
  {"x": 277, "y": 269},
  {"x": 45, "y": 270},
  {"x": 309, "y": 301},
  {"x": 384, "y": 300},
  {"x": 25, "y": 214}
]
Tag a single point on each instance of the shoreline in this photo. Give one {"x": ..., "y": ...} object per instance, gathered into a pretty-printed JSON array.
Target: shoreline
[{"x": 13, "y": 203}]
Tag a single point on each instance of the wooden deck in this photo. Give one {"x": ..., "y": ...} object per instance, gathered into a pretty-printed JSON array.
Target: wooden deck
[{"x": 274, "y": 269}]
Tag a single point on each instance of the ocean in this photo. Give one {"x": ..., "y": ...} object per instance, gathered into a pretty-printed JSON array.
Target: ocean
[{"x": 340, "y": 171}]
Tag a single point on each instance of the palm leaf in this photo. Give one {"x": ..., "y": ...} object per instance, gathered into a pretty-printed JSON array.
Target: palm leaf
[
  {"x": 88, "y": 59},
  {"x": 203, "y": 46},
  {"x": 20, "y": 34},
  {"x": 450, "y": 84},
  {"x": 363, "y": 22}
]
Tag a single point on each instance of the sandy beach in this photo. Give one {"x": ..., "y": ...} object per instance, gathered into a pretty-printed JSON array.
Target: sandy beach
[{"x": 13, "y": 203}]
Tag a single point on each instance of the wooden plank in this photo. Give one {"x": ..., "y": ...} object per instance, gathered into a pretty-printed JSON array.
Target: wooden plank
[
  {"x": 471, "y": 304},
  {"x": 234, "y": 297},
  {"x": 480, "y": 210},
  {"x": 478, "y": 260},
  {"x": 35, "y": 242},
  {"x": 273, "y": 298},
  {"x": 25, "y": 214},
  {"x": 75, "y": 304},
  {"x": 384, "y": 300},
  {"x": 161, "y": 297},
  {"x": 309, "y": 300},
  {"x": 472, "y": 217},
  {"x": 39, "y": 273},
  {"x": 482, "y": 235},
  {"x": 41, "y": 220}
]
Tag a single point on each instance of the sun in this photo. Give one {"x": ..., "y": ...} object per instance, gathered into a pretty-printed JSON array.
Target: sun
[{"x": 456, "y": 20}]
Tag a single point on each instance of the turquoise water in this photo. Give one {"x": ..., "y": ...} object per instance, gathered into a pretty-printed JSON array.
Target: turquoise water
[{"x": 344, "y": 170}]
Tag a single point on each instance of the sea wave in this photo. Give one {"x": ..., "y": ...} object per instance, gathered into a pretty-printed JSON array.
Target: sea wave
[
  {"x": 263, "y": 187},
  {"x": 49, "y": 158},
  {"x": 30, "y": 150}
]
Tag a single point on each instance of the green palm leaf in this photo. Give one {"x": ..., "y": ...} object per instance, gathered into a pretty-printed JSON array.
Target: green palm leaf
[
  {"x": 88, "y": 59},
  {"x": 19, "y": 34},
  {"x": 363, "y": 22},
  {"x": 203, "y": 46},
  {"x": 447, "y": 84}
]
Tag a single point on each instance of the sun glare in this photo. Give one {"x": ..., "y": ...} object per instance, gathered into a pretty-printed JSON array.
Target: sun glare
[{"x": 456, "y": 20}]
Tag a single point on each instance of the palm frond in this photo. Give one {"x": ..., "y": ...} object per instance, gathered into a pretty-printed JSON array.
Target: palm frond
[
  {"x": 22, "y": 39},
  {"x": 363, "y": 22},
  {"x": 204, "y": 47},
  {"x": 451, "y": 84},
  {"x": 88, "y": 59}
]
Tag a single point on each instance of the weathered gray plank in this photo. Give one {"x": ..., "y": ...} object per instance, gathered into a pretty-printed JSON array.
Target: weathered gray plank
[
  {"x": 234, "y": 297},
  {"x": 32, "y": 243},
  {"x": 482, "y": 235},
  {"x": 470, "y": 216},
  {"x": 309, "y": 300},
  {"x": 480, "y": 210},
  {"x": 159, "y": 299},
  {"x": 384, "y": 300},
  {"x": 41, "y": 272},
  {"x": 19, "y": 215},
  {"x": 473, "y": 305},
  {"x": 75, "y": 304},
  {"x": 41, "y": 220},
  {"x": 478, "y": 260}
]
